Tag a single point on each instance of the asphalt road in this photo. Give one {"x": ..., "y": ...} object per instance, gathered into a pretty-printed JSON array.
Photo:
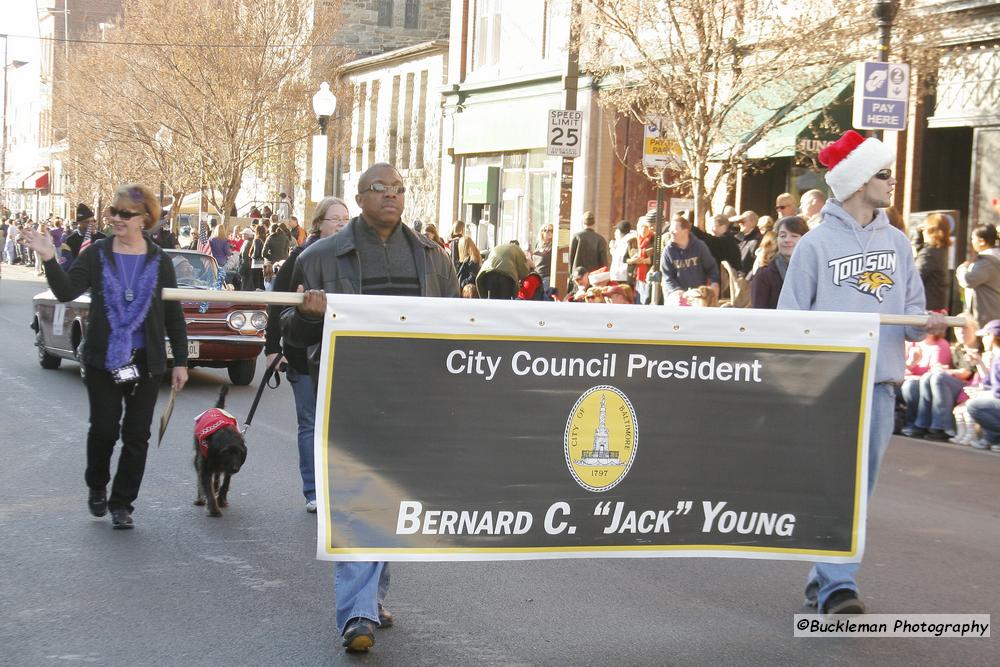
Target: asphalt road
[{"x": 184, "y": 589}]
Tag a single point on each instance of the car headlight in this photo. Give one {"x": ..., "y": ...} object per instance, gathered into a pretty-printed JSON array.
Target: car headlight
[
  {"x": 258, "y": 320},
  {"x": 237, "y": 320}
]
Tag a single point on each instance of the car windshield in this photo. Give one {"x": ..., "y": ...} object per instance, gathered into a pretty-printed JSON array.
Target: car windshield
[{"x": 194, "y": 269}]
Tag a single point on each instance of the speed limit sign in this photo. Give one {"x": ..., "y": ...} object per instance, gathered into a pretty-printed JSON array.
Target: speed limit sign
[{"x": 565, "y": 133}]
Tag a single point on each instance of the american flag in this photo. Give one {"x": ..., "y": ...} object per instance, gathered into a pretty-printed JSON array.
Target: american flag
[
  {"x": 86, "y": 237},
  {"x": 203, "y": 245}
]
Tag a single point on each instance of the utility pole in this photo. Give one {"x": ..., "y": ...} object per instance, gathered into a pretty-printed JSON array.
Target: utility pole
[
  {"x": 3, "y": 144},
  {"x": 559, "y": 268}
]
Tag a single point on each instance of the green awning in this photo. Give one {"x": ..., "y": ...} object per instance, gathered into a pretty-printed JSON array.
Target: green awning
[{"x": 772, "y": 103}]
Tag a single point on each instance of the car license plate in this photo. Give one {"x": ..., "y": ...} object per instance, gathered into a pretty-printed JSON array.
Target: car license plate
[{"x": 193, "y": 348}]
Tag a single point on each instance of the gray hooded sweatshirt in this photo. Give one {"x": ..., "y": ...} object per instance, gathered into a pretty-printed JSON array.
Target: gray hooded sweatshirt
[{"x": 842, "y": 266}]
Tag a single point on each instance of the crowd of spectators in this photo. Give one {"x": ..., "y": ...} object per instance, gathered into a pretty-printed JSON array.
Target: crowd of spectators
[
  {"x": 952, "y": 387},
  {"x": 13, "y": 240}
]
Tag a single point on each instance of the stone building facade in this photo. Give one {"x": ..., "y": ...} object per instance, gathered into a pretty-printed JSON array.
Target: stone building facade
[
  {"x": 370, "y": 27},
  {"x": 396, "y": 118}
]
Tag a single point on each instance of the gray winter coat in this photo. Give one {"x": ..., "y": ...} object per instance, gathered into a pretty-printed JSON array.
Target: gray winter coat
[{"x": 981, "y": 278}]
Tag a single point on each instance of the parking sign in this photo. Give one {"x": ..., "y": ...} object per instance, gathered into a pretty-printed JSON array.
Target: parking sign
[
  {"x": 565, "y": 132},
  {"x": 881, "y": 93},
  {"x": 658, "y": 151}
]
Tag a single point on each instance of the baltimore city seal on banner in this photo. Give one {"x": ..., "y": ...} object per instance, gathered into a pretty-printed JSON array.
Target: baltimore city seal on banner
[{"x": 601, "y": 438}]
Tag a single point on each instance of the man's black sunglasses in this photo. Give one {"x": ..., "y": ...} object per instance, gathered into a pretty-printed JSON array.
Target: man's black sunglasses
[
  {"x": 883, "y": 174},
  {"x": 382, "y": 188},
  {"x": 122, "y": 213}
]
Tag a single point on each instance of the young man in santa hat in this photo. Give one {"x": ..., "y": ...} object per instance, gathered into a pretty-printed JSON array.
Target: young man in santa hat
[{"x": 857, "y": 262}]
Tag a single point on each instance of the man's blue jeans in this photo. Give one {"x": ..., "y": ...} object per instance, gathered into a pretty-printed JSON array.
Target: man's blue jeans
[
  {"x": 360, "y": 587},
  {"x": 985, "y": 409},
  {"x": 938, "y": 392},
  {"x": 825, "y": 578},
  {"x": 910, "y": 390},
  {"x": 305, "y": 413}
]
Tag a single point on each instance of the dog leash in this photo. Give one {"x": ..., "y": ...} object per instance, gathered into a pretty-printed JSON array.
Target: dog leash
[{"x": 264, "y": 383}]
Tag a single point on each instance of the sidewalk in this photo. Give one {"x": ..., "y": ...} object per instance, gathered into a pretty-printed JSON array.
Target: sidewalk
[{"x": 20, "y": 273}]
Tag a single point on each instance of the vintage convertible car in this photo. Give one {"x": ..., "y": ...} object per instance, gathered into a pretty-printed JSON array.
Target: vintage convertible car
[{"x": 225, "y": 335}]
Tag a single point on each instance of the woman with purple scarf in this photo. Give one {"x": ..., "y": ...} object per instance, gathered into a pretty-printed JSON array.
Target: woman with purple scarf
[{"x": 123, "y": 353}]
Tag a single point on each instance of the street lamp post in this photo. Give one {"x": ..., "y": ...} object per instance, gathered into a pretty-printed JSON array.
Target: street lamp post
[
  {"x": 324, "y": 104},
  {"x": 885, "y": 12}
]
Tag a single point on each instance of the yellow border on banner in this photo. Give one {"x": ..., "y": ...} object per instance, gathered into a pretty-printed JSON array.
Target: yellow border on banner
[{"x": 615, "y": 341}]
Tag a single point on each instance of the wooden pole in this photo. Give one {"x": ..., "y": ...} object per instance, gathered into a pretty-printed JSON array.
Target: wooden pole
[
  {"x": 232, "y": 296},
  {"x": 295, "y": 298}
]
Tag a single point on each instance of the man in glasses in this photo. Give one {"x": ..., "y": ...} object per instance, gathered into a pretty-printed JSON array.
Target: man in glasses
[
  {"x": 785, "y": 205},
  {"x": 855, "y": 261},
  {"x": 374, "y": 254}
]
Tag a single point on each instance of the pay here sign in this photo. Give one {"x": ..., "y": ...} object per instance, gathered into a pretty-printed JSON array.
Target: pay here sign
[{"x": 881, "y": 92}]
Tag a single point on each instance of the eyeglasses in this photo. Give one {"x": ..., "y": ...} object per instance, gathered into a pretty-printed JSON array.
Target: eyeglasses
[
  {"x": 339, "y": 218},
  {"x": 382, "y": 188},
  {"x": 884, "y": 174},
  {"x": 122, "y": 213}
]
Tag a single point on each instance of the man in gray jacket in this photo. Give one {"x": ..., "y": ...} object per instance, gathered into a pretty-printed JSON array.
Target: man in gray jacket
[
  {"x": 981, "y": 277},
  {"x": 374, "y": 254},
  {"x": 855, "y": 261}
]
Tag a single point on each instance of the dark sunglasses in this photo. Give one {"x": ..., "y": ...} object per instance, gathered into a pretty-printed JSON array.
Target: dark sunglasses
[
  {"x": 884, "y": 174},
  {"x": 382, "y": 188},
  {"x": 122, "y": 213}
]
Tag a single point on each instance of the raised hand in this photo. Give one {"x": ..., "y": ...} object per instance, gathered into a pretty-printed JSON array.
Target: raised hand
[{"x": 41, "y": 243}]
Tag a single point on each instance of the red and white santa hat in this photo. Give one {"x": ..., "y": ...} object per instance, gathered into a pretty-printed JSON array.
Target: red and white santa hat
[{"x": 852, "y": 160}]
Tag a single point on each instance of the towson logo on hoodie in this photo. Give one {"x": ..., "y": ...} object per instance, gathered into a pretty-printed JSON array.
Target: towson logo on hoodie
[{"x": 866, "y": 272}]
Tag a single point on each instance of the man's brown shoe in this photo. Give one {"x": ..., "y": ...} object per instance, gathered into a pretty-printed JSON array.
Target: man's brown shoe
[
  {"x": 359, "y": 635},
  {"x": 385, "y": 617}
]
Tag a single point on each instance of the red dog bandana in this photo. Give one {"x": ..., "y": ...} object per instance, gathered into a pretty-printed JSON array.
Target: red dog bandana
[{"x": 207, "y": 423}]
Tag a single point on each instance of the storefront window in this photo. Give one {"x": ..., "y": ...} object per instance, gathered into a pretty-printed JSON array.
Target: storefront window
[{"x": 528, "y": 198}]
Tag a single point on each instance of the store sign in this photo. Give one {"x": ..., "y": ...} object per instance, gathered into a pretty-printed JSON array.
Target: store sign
[
  {"x": 881, "y": 94},
  {"x": 811, "y": 146},
  {"x": 658, "y": 151},
  {"x": 565, "y": 133},
  {"x": 590, "y": 431},
  {"x": 481, "y": 185}
]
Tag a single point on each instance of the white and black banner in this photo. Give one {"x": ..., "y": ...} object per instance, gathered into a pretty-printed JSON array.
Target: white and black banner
[{"x": 454, "y": 429}]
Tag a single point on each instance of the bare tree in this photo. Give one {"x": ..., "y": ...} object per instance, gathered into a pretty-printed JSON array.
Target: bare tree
[
  {"x": 197, "y": 92},
  {"x": 699, "y": 65}
]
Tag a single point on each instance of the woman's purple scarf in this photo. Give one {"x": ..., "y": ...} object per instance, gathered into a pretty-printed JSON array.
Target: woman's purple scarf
[{"x": 126, "y": 317}]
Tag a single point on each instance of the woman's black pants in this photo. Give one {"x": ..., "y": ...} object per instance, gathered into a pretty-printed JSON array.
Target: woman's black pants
[{"x": 106, "y": 424}]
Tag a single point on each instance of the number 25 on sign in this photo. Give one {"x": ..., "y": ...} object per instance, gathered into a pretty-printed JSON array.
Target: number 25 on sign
[{"x": 565, "y": 129}]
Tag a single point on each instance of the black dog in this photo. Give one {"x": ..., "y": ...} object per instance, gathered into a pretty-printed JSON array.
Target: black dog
[{"x": 219, "y": 452}]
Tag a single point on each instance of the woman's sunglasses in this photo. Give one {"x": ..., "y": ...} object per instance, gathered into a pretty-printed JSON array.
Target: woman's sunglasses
[
  {"x": 122, "y": 213},
  {"x": 884, "y": 174}
]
